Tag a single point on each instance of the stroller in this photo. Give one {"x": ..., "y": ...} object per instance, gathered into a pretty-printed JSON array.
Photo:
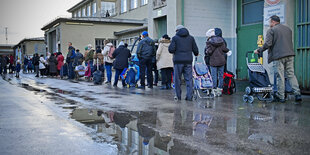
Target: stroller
[
  {"x": 79, "y": 71},
  {"x": 132, "y": 73},
  {"x": 202, "y": 80},
  {"x": 260, "y": 85}
]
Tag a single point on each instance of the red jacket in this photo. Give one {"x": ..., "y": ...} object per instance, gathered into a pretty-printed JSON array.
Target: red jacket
[
  {"x": 60, "y": 60},
  {"x": 11, "y": 60}
]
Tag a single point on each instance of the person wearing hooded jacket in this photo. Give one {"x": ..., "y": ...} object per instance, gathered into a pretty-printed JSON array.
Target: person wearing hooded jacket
[
  {"x": 108, "y": 60},
  {"x": 145, "y": 52},
  {"x": 183, "y": 46},
  {"x": 121, "y": 55},
  {"x": 216, "y": 49},
  {"x": 164, "y": 62}
]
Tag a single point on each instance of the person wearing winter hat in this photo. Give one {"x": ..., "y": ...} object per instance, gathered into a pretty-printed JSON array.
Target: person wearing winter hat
[
  {"x": 145, "y": 52},
  {"x": 216, "y": 49},
  {"x": 183, "y": 46},
  {"x": 164, "y": 62},
  {"x": 108, "y": 59}
]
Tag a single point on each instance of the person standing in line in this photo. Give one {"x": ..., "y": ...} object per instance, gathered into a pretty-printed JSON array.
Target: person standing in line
[
  {"x": 183, "y": 46},
  {"x": 216, "y": 49},
  {"x": 70, "y": 59},
  {"x": 164, "y": 62},
  {"x": 121, "y": 55},
  {"x": 108, "y": 59},
  {"x": 36, "y": 63},
  {"x": 145, "y": 52},
  {"x": 279, "y": 43},
  {"x": 60, "y": 62}
]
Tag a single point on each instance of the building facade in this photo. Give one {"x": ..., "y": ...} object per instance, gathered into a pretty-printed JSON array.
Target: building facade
[
  {"x": 241, "y": 21},
  {"x": 28, "y": 47}
]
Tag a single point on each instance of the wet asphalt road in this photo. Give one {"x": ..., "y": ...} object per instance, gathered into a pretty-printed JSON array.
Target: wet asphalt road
[{"x": 131, "y": 121}]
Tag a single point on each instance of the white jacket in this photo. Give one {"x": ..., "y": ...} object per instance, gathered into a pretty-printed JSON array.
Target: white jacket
[
  {"x": 41, "y": 63},
  {"x": 105, "y": 53},
  {"x": 163, "y": 57}
]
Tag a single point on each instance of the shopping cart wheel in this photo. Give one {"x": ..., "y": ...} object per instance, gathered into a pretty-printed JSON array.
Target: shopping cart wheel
[
  {"x": 251, "y": 99},
  {"x": 248, "y": 90},
  {"x": 245, "y": 98}
]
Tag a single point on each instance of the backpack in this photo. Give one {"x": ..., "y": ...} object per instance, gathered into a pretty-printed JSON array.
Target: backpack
[
  {"x": 229, "y": 85},
  {"x": 110, "y": 54}
]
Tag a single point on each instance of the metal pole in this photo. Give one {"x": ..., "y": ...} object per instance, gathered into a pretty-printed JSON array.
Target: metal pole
[{"x": 6, "y": 35}]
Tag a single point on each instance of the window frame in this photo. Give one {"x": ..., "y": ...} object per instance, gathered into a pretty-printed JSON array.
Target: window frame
[{"x": 242, "y": 11}]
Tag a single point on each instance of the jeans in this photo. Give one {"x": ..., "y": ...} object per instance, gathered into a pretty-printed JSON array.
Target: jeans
[
  {"x": 25, "y": 68},
  {"x": 146, "y": 64},
  {"x": 166, "y": 76},
  {"x": 108, "y": 67},
  {"x": 285, "y": 65},
  {"x": 37, "y": 69},
  {"x": 186, "y": 70},
  {"x": 118, "y": 72},
  {"x": 217, "y": 75},
  {"x": 71, "y": 71}
]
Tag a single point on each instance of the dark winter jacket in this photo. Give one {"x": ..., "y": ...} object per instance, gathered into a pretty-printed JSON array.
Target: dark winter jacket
[
  {"x": 182, "y": 46},
  {"x": 52, "y": 64},
  {"x": 36, "y": 60},
  {"x": 71, "y": 54},
  {"x": 26, "y": 61},
  {"x": 216, "y": 49},
  {"x": 146, "y": 48},
  {"x": 279, "y": 43},
  {"x": 78, "y": 59},
  {"x": 121, "y": 55}
]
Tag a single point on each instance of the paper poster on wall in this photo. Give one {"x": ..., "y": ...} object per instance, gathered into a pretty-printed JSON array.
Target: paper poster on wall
[{"x": 278, "y": 10}]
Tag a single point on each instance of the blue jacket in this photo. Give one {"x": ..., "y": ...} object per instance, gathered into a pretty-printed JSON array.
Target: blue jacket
[
  {"x": 146, "y": 48},
  {"x": 182, "y": 46}
]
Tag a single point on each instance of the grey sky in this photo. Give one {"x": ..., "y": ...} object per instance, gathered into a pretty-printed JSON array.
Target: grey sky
[{"x": 25, "y": 18}]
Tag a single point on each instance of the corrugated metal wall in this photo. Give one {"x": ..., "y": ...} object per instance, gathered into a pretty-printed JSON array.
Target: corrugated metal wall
[
  {"x": 302, "y": 44},
  {"x": 201, "y": 15}
]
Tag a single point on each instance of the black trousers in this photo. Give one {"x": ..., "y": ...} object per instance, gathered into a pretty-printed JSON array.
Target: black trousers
[
  {"x": 146, "y": 64},
  {"x": 166, "y": 76}
]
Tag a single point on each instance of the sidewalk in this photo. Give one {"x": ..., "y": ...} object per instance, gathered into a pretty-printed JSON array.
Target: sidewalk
[{"x": 29, "y": 127}]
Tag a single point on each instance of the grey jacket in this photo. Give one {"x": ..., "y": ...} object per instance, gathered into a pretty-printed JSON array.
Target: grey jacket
[
  {"x": 146, "y": 49},
  {"x": 279, "y": 43}
]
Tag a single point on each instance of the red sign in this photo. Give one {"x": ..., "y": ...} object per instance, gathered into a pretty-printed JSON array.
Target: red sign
[{"x": 272, "y": 2}]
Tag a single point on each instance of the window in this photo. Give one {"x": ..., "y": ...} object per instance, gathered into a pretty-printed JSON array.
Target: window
[
  {"x": 94, "y": 9},
  {"x": 88, "y": 11},
  {"x": 107, "y": 7},
  {"x": 123, "y": 6},
  {"x": 252, "y": 11},
  {"x": 144, "y": 2},
  {"x": 83, "y": 12},
  {"x": 79, "y": 13},
  {"x": 133, "y": 4}
]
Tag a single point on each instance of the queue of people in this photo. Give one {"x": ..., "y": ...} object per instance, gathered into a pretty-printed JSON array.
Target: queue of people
[{"x": 173, "y": 57}]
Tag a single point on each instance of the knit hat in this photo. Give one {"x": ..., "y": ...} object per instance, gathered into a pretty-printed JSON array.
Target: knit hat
[
  {"x": 179, "y": 27},
  {"x": 166, "y": 37},
  {"x": 210, "y": 33},
  {"x": 121, "y": 43},
  {"x": 144, "y": 33},
  {"x": 86, "y": 48}
]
